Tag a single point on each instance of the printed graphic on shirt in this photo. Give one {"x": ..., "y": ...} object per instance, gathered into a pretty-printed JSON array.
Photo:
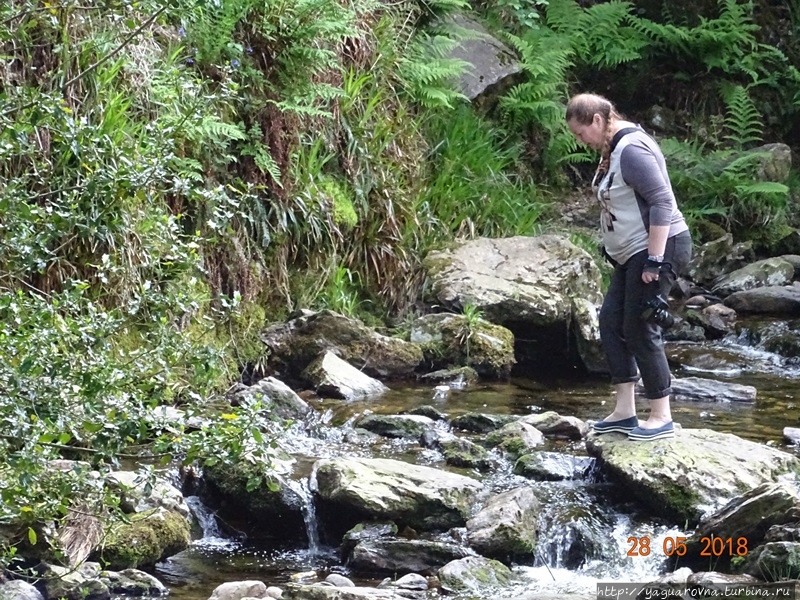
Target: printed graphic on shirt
[{"x": 607, "y": 217}]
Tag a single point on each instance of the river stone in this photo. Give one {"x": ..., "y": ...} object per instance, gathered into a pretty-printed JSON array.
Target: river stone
[
  {"x": 775, "y": 300},
  {"x": 774, "y": 561},
  {"x": 474, "y": 574},
  {"x": 294, "y": 344},
  {"x": 276, "y": 397},
  {"x": 457, "y": 451},
  {"x": 714, "y": 259},
  {"x": 404, "y": 556},
  {"x": 71, "y": 584},
  {"x": 396, "y": 426},
  {"x": 366, "y": 531},
  {"x": 750, "y": 515},
  {"x": 530, "y": 286},
  {"x": 515, "y": 439},
  {"x": 453, "y": 339},
  {"x": 317, "y": 592},
  {"x": 552, "y": 466},
  {"x": 506, "y": 526},
  {"x": 133, "y": 582},
  {"x": 791, "y": 435},
  {"x": 691, "y": 475},
  {"x": 333, "y": 377},
  {"x": 386, "y": 489},
  {"x": 552, "y": 424},
  {"x": 19, "y": 590},
  {"x": 762, "y": 273},
  {"x": 700, "y": 389},
  {"x": 236, "y": 590},
  {"x": 481, "y": 422}
]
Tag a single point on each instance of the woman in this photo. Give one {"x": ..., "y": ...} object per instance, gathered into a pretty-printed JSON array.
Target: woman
[{"x": 648, "y": 242}]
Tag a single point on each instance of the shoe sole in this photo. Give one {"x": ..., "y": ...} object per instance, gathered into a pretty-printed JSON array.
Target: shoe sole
[
  {"x": 614, "y": 430},
  {"x": 658, "y": 436}
]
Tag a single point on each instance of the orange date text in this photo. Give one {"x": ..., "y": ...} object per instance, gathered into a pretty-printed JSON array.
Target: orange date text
[{"x": 676, "y": 546}]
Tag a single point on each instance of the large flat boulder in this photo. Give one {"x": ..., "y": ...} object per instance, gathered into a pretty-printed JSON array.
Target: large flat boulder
[
  {"x": 544, "y": 289},
  {"x": 691, "y": 475}
]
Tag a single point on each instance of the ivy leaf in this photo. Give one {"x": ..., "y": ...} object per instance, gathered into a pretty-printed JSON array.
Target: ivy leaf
[{"x": 32, "y": 536}]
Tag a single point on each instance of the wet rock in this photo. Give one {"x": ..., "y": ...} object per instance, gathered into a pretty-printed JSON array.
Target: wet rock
[
  {"x": 72, "y": 584},
  {"x": 716, "y": 321},
  {"x": 791, "y": 435},
  {"x": 412, "y": 581},
  {"x": 455, "y": 378},
  {"x": 273, "y": 509},
  {"x": 473, "y": 575},
  {"x": 277, "y": 397},
  {"x": 700, "y": 389},
  {"x": 553, "y": 466},
  {"x": 132, "y": 582},
  {"x": 528, "y": 285},
  {"x": 454, "y": 339},
  {"x": 404, "y": 556},
  {"x": 553, "y": 425},
  {"x": 716, "y": 258},
  {"x": 19, "y": 590},
  {"x": 396, "y": 426},
  {"x": 691, "y": 475},
  {"x": 506, "y": 526},
  {"x": 138, "y": 494},
  {"x": 339, "y": 580},
  {"x": 747, "y": 516},
  {"x": 777, "y": 300},
  {"x": 335, "y": 378},
  {"x": 481, "y": 422},
  {"x": 147, "y": 538},
  {"x": 294, "y": 344},
  {"x": 384, "y": 489},
  {"x": 429, "y": 411},
  {"x": 762, "y": 273},
  {"x": 774, "y": 561},
  {"x": 366, "y": 532},
  {"x": 515, "y": 439},
  {"x": 457, "y": 451},
  {"x": 318, "y": 592},
  {"x": 236, "y": 590}
]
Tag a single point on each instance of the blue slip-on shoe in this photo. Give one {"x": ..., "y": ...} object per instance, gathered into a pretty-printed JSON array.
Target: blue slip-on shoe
[
  {"x": 621, "y": 426},
  {"x": 658, "y": 433}
]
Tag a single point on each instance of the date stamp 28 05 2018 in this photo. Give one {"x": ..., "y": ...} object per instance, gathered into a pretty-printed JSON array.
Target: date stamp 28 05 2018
[{"x": 676, "y": 546}]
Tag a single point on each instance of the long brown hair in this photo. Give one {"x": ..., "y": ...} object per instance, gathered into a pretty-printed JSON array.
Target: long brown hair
[{"x": 583, "y": 108}]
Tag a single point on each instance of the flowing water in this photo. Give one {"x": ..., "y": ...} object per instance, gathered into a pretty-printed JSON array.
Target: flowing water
[{"x": 586, "y": 528}]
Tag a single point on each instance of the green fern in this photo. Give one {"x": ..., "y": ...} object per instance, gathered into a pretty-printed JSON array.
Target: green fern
[
  {"x": 427, "y": 72},
  {"x": 742, "y": 119}
]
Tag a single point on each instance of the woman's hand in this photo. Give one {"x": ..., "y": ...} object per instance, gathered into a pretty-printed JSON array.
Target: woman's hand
[{"x": 650, "y": 270}]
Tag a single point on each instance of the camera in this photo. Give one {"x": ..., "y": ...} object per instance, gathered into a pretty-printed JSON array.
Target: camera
[{"x": 656, "y": 311}]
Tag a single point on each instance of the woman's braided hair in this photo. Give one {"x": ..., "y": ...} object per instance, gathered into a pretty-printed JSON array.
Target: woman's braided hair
[{"x": 583, "y": 108}]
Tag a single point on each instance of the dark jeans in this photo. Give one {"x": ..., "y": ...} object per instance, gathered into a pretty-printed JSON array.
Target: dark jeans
[{"x": 628, "y": 340}]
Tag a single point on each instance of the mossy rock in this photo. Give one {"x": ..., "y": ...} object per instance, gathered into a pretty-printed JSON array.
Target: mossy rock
[{"x": 148, "y": 538}]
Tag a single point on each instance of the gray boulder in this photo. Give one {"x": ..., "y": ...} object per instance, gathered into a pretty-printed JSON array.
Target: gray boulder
[
  {"x": 490, "y": 64},
  {"x": 277, "y": 397},
  {"x": 294, "y": 344},
  {"x": 333, "y": 377},
  {"x": 700, "y": 389},
  {"x": 19, "y": 590},
  {"x": 327, "y": 592},
  {"x": 385, "y": 489},
  {"x": 714, "y": 259},
  {"x": 404, "y": 556},
  {"x": 449, "y": 340},
  {"x": 553, "y": 466},
  {"x": 541, "y": 288},
  {"x": 396, "y": 426},
  {"x": 506, "y": 526},
  {"x": 474, "y": 575},
  {"x": 237, "y": 590},
  {"x": 762, "y": 273},
  {"x": 773, "y": 300},
  {"x": 691, "y": 475},
  {"x": 553, "y": 425}
]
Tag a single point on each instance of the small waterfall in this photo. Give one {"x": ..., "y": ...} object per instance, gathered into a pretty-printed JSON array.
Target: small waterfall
[
  {"x": 206, "y": 520},
  {"x": 303, "y": 491}
]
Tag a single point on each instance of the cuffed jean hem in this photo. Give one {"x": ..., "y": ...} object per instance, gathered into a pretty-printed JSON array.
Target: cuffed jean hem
[
  {"x": 632, "y": 379},
  {"x": 657, "y": 395}
]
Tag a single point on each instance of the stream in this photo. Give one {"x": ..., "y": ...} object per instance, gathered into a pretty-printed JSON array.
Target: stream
[{"x": 585, "y": 526}]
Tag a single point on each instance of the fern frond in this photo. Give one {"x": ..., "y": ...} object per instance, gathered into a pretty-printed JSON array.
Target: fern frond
[{"x": 742, "y": 119}]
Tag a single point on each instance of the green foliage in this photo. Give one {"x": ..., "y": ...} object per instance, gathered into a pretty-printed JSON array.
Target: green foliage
[
  {"x": 742, "y": 119},
  {"x": 723, "y": 187},
  {"x": 427, "y": 71},
  {"x": 474, "y": 189}
]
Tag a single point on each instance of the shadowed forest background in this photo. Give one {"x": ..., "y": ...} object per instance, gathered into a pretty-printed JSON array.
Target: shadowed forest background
[{"x": 175, "y": 175}]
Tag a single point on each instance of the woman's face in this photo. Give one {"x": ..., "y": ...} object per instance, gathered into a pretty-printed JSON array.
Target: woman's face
[{"x": 592, "y": 135}]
